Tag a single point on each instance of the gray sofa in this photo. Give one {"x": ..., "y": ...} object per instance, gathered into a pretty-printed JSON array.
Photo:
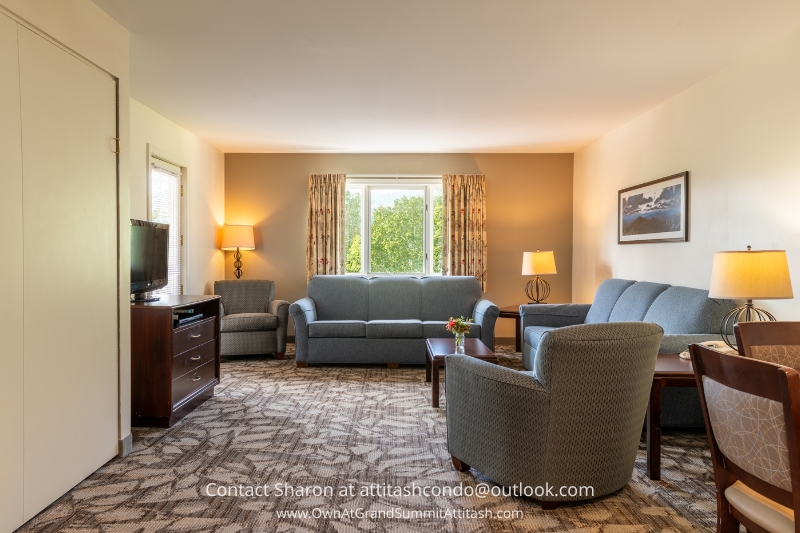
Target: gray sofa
[
  {"x": 686, "y": 315},
  {"x": 354, "y": 319}
]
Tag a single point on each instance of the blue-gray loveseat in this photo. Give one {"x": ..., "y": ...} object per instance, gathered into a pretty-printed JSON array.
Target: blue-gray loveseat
[
  {"x": 354, "y": 319},
  {"x": 686, "y": 315}
]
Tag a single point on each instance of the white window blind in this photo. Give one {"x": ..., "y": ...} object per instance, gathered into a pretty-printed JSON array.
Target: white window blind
[{"x": 165, "y": 207}]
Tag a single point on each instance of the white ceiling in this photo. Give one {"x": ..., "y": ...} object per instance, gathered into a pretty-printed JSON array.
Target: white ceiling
[{"x": 428, "y": 75}]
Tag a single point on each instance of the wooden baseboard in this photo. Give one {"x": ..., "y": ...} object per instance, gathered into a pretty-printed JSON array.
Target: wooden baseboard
[{"x": 505, "y": 340}]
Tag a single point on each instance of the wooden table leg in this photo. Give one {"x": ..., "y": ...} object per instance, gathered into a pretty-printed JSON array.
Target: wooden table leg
[
  {"x": 427, "y": 367},
  {"x": 654, "y": 431},
  {"x": 518, "y": 323},
  {"x": 435, "y": 385}
]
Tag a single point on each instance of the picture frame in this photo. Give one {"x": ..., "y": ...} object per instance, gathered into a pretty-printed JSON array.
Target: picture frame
[{"x": 656, "y": 211}]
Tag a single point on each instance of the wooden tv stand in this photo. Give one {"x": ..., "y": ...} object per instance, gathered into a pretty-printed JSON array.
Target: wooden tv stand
[{"x": 173, "y": 369}]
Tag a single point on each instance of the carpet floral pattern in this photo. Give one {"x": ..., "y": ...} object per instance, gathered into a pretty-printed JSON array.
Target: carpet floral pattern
[{"x": 362, "y": 428}]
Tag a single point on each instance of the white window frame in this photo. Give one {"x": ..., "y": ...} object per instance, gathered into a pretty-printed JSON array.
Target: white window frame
[
  {"x": 366, "y": 184},
  {"x": 163, "y": 155}
]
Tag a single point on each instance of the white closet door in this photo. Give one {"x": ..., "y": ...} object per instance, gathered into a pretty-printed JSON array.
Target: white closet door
[
  {"x": 70, "y": 289},
  {"x": 10, "y": 281}
]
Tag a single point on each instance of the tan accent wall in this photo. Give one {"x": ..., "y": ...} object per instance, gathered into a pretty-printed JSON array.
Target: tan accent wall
[
  {"x": 737, "y": 133},
  {"x": 529, "y": 206}
]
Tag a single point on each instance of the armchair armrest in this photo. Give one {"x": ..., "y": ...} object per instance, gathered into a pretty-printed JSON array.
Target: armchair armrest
[
  {"x": 488, "y": 408},
  {"x": 553, "y": 315},
  {"x": 280, "y": 308},
  {"x": 303, "y": 312},
  {"x": 485, "y": 315}
]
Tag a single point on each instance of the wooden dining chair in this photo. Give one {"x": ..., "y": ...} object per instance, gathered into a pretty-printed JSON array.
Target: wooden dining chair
[
  {"x": 752, "y": 414},
  {"x": 773, "y": 342}
]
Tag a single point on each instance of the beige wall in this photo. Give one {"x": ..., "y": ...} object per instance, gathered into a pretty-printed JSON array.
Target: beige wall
[
  {"x": 529, "y": 206},
  {"x": 205, "y": 190},
  {"x": 738, "y": 133}
]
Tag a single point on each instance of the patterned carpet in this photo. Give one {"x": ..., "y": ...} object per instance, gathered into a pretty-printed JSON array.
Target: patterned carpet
[{"x": 337, "y": 426}]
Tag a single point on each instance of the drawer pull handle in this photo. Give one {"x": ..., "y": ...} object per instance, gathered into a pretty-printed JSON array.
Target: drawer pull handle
[
  {"x": 196, "y": 336},
  {"x": 195, "y": 358},
  {"x": 196, "y": 378}
]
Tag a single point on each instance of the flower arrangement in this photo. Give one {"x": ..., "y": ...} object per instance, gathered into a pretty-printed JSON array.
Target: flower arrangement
[{"x": 459, "y": 325}]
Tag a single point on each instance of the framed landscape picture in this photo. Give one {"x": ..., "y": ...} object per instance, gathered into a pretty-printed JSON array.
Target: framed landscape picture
[{"x": 656, "y": 211}]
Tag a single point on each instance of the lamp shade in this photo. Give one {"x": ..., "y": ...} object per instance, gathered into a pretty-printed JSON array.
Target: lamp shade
[
  {"x": 240, "y": 237},
  {"x": 538, "y": 263},
  {"x": 751, "y": 275}
]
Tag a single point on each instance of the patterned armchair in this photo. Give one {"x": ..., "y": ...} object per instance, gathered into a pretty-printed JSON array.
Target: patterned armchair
[
  {"x": 252, "y": 321},
  {"x": 574, "y": 420},
  {"x": 752, "y": 414},
  {"x": 773, "y": 342}
]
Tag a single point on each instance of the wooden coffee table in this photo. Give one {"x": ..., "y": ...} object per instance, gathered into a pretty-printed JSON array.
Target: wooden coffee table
[
  {"x": 438, "y": 349},
  {"x": 671, "y": 371}
]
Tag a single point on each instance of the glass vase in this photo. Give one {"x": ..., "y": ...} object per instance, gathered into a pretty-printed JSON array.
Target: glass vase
[{"x": 459, "y": 340}]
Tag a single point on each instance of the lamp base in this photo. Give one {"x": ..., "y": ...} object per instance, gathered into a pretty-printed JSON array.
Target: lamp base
[
  {"x": 537, "y": 290},
  {"x": 747, "y": 313},
  {"x": 237, "y": 264}
]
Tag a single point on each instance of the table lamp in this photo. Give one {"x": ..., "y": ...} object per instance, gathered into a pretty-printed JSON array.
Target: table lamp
[
  {"x": 749, "y": 275},
  {"x": 238, "y": 238},
  {"x": 537, "y": 264}
]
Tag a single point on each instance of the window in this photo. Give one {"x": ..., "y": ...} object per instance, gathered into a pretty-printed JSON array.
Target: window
[
  {"x": 393, "y": 226},
  {"x": 166, "y": 192}
]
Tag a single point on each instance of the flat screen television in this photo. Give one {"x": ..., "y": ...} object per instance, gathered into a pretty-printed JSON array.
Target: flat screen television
[{"x": 149, "y": 258}]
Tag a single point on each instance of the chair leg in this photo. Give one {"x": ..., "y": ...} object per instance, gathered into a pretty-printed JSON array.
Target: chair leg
[
  {"x": 393, "y": 365},
  {"x": 460, "y": 466},
  {"x": 726, "y": 522},
  {"x": 302, "y": 364},
  {"x": 280, "y": 355},
  {"x": 549, "y": 506}
]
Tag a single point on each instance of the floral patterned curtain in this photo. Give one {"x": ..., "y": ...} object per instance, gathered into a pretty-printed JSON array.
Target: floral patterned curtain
[
  {"x": 464, "y": 238},
  {"x": 325, "y": 243}
]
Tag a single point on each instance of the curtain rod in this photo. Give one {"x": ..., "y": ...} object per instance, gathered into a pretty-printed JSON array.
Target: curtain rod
[{"x": 393, "y": 176}]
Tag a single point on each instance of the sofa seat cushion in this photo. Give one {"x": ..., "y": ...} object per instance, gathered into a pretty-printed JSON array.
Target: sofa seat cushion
[
  {"x": 248, "y": 322},
  {"x": 337, "y": 328},
  {"x": 533, "y": 335},
  {"x": 435, "y": 329},
  {"x": 392, "y": 329}
]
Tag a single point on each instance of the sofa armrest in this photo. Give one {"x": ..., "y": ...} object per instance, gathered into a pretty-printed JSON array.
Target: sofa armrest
[
  {"x": 488, "y": 408},
  {"x": 303, "y": 312},
  {"x": 553, "y": 315},
  {"x": 280, "y": 308},
  {"x": 485, "y": 315},
  {"x": 681, "y": 342},
  {"x": 221, "y": 310}
]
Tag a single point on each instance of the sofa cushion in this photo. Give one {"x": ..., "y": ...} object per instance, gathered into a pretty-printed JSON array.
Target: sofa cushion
[
  {"x": 394, "y": 298},
  {"x": 634, "y": 303},
  {"x": 248, "y": 322},
  {"x": 392, "y": 329},
  {"x": 337, "y": 328},
  {"x": 686, "y": 311},
  {"x": 443, "y": 297},
  {"x": 533, "y": 335},
  {"x": 435, "y": 329},
  {"x": 340, "y": 297},
  {"x": 604, "y": 299}
]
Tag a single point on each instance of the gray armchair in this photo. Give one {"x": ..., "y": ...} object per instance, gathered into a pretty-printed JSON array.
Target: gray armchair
[
  {"x": 252, "y": 321},
  {"x": 575, "y": 420}
]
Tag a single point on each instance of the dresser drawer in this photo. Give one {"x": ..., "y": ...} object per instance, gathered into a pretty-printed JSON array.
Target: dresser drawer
[
  {"x": 193, "y": 335},
  {"x": 191, "y": 359},
  {"x": 188, "y": 383}
]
